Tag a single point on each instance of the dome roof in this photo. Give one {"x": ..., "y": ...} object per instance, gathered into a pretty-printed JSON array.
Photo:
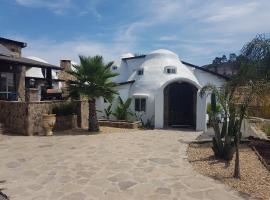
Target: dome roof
[
  {"x": 163, "y": 53},
  {"x": 127, "y": 55}
]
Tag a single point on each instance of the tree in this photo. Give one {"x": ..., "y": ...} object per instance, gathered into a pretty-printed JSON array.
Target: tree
[
  {"x": 235, "y": 98},
  {"x": 232, "y": 57},
  {"x": 223, "y": 59},
  {"x": 257, "y": 52},
  {"x": 92, "y": 78}
]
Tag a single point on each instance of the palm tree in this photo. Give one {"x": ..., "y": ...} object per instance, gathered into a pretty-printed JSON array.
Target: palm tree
[{"x": 92, "y": 78}]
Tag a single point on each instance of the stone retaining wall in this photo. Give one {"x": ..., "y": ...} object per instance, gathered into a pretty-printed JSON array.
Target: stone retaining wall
[
  {"x": 120, "y": 124},
  {"x": 26, "y": 117},
  {"x": 13, "y": 116}
]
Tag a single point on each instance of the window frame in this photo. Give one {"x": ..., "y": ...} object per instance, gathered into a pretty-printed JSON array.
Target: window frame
[
  {"x": 140, "y": 104},
  {"x": 114, "y": 67},
  {"x": 9, "y": 76},
  {"x": 140, "y": 72},
  {"x": 170, "y": 70}
]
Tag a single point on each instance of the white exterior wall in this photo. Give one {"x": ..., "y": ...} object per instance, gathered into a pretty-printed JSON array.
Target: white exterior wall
[{"x": 151, "y": 84}]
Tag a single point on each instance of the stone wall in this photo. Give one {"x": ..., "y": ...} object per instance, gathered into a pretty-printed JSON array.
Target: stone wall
[
  {"x": 13, "y": 116},
  {"x": 26, "y": 117},
  {"x": 35, "y": 112}
]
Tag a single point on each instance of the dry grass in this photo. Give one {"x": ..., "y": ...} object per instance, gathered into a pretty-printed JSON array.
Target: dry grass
[{"x": 255, "y": 178}]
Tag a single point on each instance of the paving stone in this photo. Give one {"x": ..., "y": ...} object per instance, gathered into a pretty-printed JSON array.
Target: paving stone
[
  {"x": 119, "y": 177},
  {"x": 126, "y": 184},
  {"x": 75, "y": 196},
  {"x": 13, "y": 164},
  {"x": 133, "y": 165},
  {"x": 163, "y": 190},
  {"x": 161, "y": 161}
]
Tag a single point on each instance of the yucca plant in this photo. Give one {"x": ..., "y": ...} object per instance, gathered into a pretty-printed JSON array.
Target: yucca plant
[
  {"x": 92, "y": 78},
  {"x": 122, "y": 110}
]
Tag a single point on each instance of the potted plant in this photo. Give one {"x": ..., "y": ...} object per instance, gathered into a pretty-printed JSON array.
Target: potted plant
[{"x": 48, "y": 121}]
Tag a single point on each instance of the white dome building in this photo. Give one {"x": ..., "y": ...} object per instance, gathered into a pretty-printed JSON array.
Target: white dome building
[{"x": 164, "y": 89}]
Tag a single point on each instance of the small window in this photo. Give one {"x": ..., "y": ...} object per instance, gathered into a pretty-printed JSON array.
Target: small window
[
  {"x": 170, "y": 70},
  {"x": 140, "y": 104},
  {"x": 114, "y": 67},
  {"x": 140, "y": 72}
]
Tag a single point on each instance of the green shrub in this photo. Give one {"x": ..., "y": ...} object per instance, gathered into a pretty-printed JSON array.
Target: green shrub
[
  {"x": 122, "y": 110},
  {"x": 69, "y": 108}
]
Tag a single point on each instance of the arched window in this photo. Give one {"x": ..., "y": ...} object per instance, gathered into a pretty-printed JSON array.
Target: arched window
[{"x": 170, "y": 70}]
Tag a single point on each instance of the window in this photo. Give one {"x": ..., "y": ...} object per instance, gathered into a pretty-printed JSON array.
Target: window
[
  {"x": 114, "y": 67},
  {"x": 140, "y": 72},
  {"x": 170, "y": 70},
  {"x": 7, "y": 85},
  {"x": 140, "y": 104}
]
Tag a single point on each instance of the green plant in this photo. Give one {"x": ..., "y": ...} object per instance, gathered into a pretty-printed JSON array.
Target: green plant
[
  {"x": 266, "y": 129},
  {"x": 92, "y": 78},
  {"x": 122, "y": 110},
  {"x": 65, "y": 109},
  {"x": 108, "y": 112},
  {"x": 144, "y": 125}
]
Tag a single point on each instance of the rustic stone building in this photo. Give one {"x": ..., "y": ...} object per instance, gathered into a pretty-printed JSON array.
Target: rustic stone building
[{"x": 20, "y": 109}]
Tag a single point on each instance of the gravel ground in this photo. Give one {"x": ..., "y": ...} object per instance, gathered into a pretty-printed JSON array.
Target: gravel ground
[{"x": 255, "y": 178}]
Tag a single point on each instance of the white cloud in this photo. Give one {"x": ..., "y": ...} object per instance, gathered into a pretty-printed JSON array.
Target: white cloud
[
  {"x": 57, "y": 6},
  {"x": 65, "y": 6},
  {"x": 53, "y": 51},
  {"x": 232, "y": 12}
]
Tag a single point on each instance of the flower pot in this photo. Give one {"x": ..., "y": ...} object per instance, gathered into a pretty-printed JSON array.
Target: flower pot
[{"x": 48, "y": 123}]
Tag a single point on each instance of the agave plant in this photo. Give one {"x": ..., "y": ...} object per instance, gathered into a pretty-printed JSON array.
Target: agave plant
[
  {"x": 108, "y": 112},
  {"x": 122, "y": 110}
]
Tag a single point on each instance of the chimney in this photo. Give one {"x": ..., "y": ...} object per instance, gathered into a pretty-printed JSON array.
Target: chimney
[{"x": 65, "y": 64}]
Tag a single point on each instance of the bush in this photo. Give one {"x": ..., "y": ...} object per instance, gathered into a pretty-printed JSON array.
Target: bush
[{"x": 65, "y": 109}]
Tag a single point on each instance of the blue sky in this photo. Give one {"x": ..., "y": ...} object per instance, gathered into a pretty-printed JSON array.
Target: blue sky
[{"x": 197, "y": 30}]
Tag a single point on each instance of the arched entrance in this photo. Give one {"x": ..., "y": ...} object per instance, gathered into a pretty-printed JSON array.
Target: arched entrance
[{"x": 180, "y": 100}]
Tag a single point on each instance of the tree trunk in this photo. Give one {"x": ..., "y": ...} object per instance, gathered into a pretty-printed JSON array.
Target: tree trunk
[
  {"x": 237, "y": 161},
  {"x": 93, "y": 125}
]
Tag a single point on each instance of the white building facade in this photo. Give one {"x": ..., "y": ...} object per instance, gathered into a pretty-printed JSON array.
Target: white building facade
[{"x": 163, "y": 89}]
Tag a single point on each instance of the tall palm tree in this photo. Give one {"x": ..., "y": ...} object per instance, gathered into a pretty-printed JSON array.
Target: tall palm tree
[{"x": 92, "y": 78}]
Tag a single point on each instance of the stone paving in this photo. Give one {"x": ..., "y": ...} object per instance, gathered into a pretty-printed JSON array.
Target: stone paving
[{"x": 121, "y": 166}]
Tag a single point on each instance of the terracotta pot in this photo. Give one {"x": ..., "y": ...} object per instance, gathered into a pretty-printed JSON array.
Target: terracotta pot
[{"x": 48, "y": 123}]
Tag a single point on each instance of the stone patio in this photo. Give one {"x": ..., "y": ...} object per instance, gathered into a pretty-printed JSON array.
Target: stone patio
[{"x": 132, "y": 165}]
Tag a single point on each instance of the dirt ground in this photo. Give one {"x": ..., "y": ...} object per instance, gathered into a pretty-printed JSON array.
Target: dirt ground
[{"x": 255, "y": 178}]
